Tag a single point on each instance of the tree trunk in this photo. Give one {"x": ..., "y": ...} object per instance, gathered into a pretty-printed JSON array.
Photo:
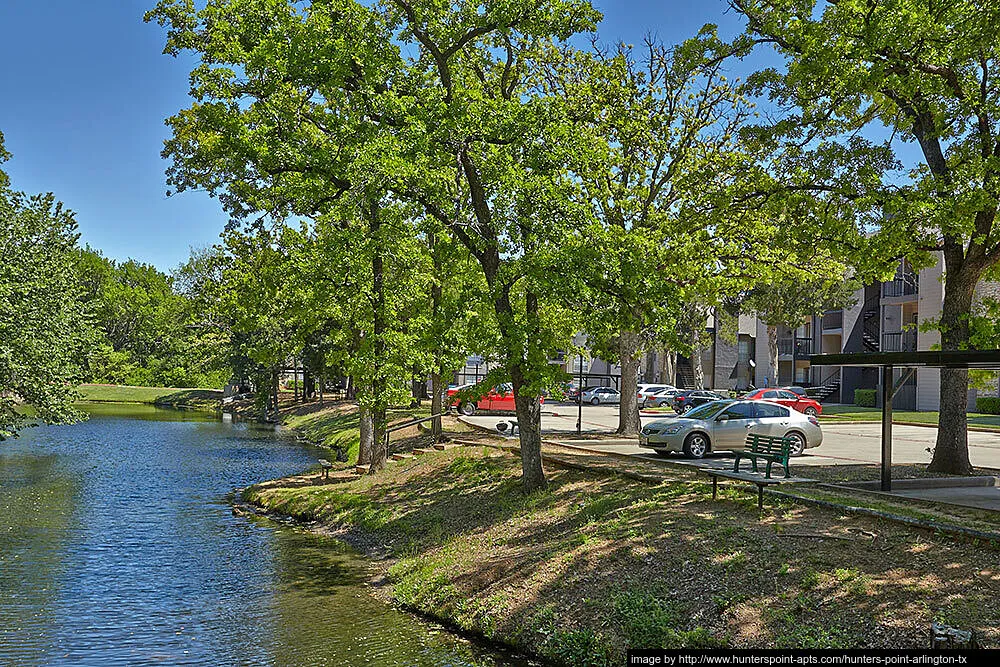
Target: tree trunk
[
  {"x": 526, "y": 401},
  {"x": 628, "y": 410},
  {"x": 366, "y": 427},
  {"x": 697, "y": 368},
  {"x": 529, "y": 422},
  {"x": 951, "y": 451},
  {"x": 322, "y": 386},
  {"x": 437, "y": 298},
  {"x": 380, "y": 443},
  {"x": 772, "y": 356},
  {"x": 668, "y": 367},
  {"x": 437, "y": 392},
  {"x": 378, "y": 384}
]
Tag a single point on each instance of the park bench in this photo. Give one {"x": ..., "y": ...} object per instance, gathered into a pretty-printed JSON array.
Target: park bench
[
  {"x": 773, "y": 449},
  {"x": 757, "y": 479},
  {"x": 326, "y": 465}
]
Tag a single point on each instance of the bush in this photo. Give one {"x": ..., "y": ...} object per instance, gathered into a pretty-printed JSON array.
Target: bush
[
  {"x": 864, "y": 398},
  {"x": 989, "y": 405}
]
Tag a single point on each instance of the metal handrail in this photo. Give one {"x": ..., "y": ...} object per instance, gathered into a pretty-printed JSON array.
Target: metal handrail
[{"x": 400, "y": 427}]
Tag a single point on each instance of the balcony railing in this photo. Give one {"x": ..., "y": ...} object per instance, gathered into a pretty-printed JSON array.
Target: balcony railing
[
  {"x": 904, "y": 341},
  {"x": 905, "y": 285},
  {"x": 800, "y": 347},
  {"x": 833, "y": 319}
]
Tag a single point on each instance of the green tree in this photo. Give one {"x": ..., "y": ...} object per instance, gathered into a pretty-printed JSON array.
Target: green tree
[
  {"x": 930, "y": 74},
  {"x": 42, "y": 322},
  {"x": 789, "y": 299},
  {"x": 657, "y": 130},
  {"x": 431, "y": 103}
]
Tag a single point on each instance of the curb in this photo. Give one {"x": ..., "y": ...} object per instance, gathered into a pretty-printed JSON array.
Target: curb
[
  {"x": 947, "y": 528},
  {"x": 977, "y": 429}
]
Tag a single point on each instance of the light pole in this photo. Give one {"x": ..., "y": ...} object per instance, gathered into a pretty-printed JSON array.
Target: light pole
[{"x": 579, "y": 395}]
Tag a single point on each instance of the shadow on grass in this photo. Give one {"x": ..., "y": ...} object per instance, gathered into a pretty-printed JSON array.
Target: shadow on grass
[{"x": 570, "y": 572}]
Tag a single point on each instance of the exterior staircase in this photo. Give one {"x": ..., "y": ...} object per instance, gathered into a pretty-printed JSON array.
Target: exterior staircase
[
  {"x": 827, "y": 390},
  {"x": 685, "y": 374}
]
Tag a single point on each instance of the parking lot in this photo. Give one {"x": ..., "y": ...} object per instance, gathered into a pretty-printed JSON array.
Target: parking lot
[{"x": 843, "y": 442}]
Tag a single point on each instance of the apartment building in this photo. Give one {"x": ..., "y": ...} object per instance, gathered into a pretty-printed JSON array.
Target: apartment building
[{"x": 885, "y": 317}]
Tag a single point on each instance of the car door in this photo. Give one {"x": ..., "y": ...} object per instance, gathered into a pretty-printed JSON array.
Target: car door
[
  {"x": 772, "y": 419},
  {"x": 790, "y": 399},
  {"x": 503, "y": 398},
  {"x": 730, "y": 428}
]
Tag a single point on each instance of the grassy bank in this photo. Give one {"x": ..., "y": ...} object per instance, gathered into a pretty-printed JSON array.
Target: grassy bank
[
  {"x": 200, "y": 399},
  {"x": 598, "y": 563},
  {"x": 855, "y": 413},
  {"x": 335, "y": 425}
]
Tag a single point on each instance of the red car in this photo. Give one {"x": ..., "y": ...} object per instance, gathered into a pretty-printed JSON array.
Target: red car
[
  {"x": 789, "y": 399},
  {"x": 498, "y": 399}
]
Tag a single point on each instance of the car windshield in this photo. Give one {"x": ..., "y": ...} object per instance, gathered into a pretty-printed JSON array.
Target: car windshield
[{"x": 707, "y": 411}]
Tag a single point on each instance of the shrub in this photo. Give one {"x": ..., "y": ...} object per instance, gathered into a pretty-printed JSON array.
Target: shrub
[
  {"x": 864, "y": 398},
  {"x": 989, "y": 405}
]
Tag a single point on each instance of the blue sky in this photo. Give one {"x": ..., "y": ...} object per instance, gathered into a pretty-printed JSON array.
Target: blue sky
[{"x": 84, "y": 90}]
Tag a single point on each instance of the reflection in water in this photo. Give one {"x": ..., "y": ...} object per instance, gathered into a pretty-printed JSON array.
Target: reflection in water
[{"x": 117, "y": 546}]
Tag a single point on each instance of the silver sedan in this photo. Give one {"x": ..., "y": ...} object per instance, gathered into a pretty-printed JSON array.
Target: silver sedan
[{"x": 724, "y": 425}]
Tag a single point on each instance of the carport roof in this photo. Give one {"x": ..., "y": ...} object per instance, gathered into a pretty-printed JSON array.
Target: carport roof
[{"x": 926, "y": 359}]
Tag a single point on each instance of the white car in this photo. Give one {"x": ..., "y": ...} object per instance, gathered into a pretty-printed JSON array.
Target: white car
[
  {"x": 598, "y": 395},
  {"x": 646, "y": 391},
  {"x": 664, "y": 397},
  {"x": 724, "y": 425}
]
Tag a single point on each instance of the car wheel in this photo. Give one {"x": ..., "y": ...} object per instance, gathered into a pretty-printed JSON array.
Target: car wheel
[
  {"x": 685, "y": 408},
  {"x": 595, "y": 401},
  {"x": 467, "y": 409},
  {"x": 695, "y": 445},
  {"x": 798, "y": 443},
  {"x": 811, "y": 411}
]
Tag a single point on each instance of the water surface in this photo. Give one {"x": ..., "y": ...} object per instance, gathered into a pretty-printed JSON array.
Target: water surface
[{"x": 118, "y": 546}]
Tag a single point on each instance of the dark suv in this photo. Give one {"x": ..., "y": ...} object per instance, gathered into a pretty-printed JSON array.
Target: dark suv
[{"x": 685, "y": 400}]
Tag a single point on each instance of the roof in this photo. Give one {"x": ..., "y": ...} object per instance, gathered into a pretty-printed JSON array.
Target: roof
[{"x": 929, "y": 359}]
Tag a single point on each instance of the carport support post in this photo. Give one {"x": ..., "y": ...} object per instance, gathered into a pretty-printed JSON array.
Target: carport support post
[{"x": 887, "y": 392}]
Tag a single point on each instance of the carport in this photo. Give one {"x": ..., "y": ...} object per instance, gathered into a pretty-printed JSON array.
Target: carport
[{"x": 887, "y": 362}]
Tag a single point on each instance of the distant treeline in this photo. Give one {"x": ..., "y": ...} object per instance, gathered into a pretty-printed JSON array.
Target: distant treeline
[{"x": 145, "y": 329}]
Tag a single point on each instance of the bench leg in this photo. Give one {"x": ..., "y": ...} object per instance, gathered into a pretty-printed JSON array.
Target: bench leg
[
  {"x": 760, "y": 497},
  {"x": 736, "y": 466},
  {"x": 768, "y": 469},
  {"x": 715, "y": 488}
]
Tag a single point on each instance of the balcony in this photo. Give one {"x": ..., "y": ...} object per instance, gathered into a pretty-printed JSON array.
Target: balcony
[
  {"x": 833, "y": 319},
  {"x": 904, "y": 341},
  {"x": 905, "y": 285},
  {"x": 800, "y": 347}
]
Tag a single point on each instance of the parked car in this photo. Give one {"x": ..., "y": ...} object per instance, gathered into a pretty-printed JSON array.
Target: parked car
[
  {"x": 724, "y": 425},
  {"x": 801, "y": 391},
  {"x": 664, "y": 397},
  {"x": 598, "y": 395},
  {"x": 789, "y": 399},
  {"x": 690, "y": 398},
  {"x": 647, "y": 390},
  {"x": 498, "y": 399}
]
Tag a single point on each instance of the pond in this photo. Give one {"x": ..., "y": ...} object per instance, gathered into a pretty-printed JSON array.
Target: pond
[{"x": 118, "y": 545}]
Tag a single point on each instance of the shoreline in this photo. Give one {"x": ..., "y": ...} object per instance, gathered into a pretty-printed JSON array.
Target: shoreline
[{"x": 599, "y": 563}]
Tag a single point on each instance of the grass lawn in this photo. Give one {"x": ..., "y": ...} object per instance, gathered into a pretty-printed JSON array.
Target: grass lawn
[
  {"x": 207, "y": 399},
  {"x": 855, "y": 413},
  {"x": 336, "y": 424},
  {"x": 597, "y": 563}
]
